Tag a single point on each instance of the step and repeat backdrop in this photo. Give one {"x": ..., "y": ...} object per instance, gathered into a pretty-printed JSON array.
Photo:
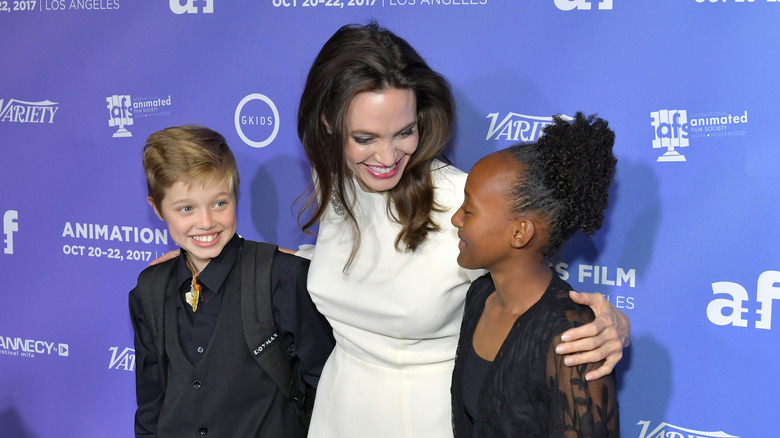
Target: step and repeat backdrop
[{"x": 689, "y": 251}]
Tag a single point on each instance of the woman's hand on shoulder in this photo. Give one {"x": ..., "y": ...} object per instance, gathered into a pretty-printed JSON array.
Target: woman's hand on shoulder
[
  {"x": 603, "y": 339},
  {"x": 167, "y": 256}
]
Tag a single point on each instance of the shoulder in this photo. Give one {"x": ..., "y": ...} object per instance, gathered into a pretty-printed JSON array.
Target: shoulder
[
  {"x": 446, "y": 174},
  {"x": 572, "y": 313},
  {"x": 285, "y": 262},
  {"x": 449, "y": 182},
  {"x": 151, "y": 274}
]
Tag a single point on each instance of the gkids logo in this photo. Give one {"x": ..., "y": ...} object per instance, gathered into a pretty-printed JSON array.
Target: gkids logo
[
  {"x": 122, "y": 361},
  {"x": 189, "y": 6},
  {"x": 767, "y": 290},
  {"x": 568, "y": 5},
  {"x": 517, "y": 127},
  {"x": 671, "y": 131},
  {"x": 120, "y": 112},
  {"x": 257, "y": 120},
  {"x": 666, "y": 430},
  {"x": 19, "y": 111},
  {"x": 10, "y": 226}
]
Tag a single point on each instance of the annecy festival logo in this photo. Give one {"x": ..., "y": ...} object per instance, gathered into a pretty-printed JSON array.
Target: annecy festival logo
[
  {"x": 14, "y": 346},
  {"x": 666, "y": 430},
  {"x": 518, "y": 127},
  {"x": 120, "y": 114},
  {"x": 671, "y": 131},
  {"x": 257, "y": 120},
  {"x": 20, "y": 111}
]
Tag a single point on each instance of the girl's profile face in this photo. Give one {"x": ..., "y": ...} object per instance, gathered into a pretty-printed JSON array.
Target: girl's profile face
[
  {"x": 381, "y": 137},
  {"x": 485, "y": 224}
]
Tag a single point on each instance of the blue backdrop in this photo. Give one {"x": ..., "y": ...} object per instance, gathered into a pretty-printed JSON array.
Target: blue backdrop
[{"x": 689, "y": 249}]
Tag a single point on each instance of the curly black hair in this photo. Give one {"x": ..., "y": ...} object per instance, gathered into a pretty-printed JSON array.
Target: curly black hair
[{"x": 565, "y": 177}]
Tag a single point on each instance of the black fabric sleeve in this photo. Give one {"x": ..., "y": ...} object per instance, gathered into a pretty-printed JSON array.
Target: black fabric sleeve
[
  {"x": 301, "y": 327},
  {"x": 148, "y": 391},
  {"x": 580, "y": 408}
]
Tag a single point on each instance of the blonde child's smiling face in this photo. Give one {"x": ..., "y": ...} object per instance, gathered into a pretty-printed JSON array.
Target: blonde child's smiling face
[
  {"x": 381, "y": 137},
  {"x": 201, "y": 218}
]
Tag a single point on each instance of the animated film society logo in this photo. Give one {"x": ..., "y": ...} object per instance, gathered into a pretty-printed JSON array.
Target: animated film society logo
[
  {"x": 730, "y": 308},
  {"x": 124, "y": 360},
  {"x": 257, "y": 120},
  {"x": 30, "y": 347},
  {"x": 123, "y": 110},
  {"x": 10, "y": 226},
  {"x": 584, "y": 5},
  {"x": 188, "y": 6},
  {"x": 666, "y": 430},
  {"x": 674, "y": 129},
  {"x": 22, "y": 111},
  {"x": 517, "y": 127}
]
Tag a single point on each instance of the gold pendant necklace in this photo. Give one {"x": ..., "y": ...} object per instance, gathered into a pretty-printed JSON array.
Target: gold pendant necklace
[{"x": 193, "y": 296}]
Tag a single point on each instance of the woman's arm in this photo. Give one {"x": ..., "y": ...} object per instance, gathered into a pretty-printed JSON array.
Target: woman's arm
[{"x": 603, "y": 339}]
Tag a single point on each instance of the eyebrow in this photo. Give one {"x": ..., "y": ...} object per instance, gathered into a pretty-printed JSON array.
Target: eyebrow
[{"x": 365, "y": 132}]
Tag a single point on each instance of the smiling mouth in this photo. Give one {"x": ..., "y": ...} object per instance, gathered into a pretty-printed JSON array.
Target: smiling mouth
[
  {"x": 383, "y": 169},
  {"x": 205, "y": 239}
]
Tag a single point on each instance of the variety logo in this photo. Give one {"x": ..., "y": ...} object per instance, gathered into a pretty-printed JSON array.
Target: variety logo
[
  {"x": 122, "y": 361},
  {"x": 517, "y": 127},
  {"x": 666, "y": 430},
  {"x": 120, "y": 113},
  {"x": 10, "y": 226},
  {"x": 30, "y": 347},
  {"x": 671, "y": 131},
  {"x": 189, "y": 7},
  {"x": 20, "y": 111},
  {"x": 257, "y": 120},
  {"x": 767, "y": 290},
  {"x": 569, "y": 5}
]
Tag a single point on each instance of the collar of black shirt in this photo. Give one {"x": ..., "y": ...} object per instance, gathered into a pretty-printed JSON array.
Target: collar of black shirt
[{"x": 216, "y": 271}]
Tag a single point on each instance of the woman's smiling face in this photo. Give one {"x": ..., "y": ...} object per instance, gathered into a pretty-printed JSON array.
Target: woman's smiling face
[{"x": 381, "y": 137}]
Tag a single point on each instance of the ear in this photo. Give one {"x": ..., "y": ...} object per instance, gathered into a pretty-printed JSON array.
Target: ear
[
  {"x": 524, "y": 231},
  {"x": 157, "y": 212}
]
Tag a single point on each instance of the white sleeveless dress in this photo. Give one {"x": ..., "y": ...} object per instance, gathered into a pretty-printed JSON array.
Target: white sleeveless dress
[{"x": 396, "y": 319}]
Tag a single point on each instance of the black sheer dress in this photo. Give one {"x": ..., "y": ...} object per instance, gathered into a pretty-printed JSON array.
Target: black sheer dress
[{"x": 527, "y": 390}]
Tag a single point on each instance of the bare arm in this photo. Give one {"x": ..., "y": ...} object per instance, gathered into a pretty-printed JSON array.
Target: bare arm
[{"x": 603, "y": 339}]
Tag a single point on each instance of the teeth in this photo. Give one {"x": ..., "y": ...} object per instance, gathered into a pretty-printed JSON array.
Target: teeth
[
  {"x": 382, "y": 169},
  {"x": 205, "y": 239}
]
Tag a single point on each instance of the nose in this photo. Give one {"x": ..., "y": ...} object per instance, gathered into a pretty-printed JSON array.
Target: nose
[
  {"x": 385, "y": 153},
  {"x": 457, "y": 218},
  {"x": 205, "y": 219}
]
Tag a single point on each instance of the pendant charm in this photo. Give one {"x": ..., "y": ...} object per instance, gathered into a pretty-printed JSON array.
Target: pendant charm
[{"x": 193, "y": 296}]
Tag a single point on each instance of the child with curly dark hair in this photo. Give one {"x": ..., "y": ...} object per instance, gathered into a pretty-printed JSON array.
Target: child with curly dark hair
[{"x": 521, "y": 205}]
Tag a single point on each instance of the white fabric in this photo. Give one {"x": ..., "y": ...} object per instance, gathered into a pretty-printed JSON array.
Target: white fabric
[{"x": 396, "y": 318}]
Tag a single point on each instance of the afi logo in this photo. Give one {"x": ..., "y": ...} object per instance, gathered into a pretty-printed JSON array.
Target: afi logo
[
  {"x": 671, "y": 130},
  {"x": 189, "y": 6},
  {"x": 767, "y": 290},
  {"x": 568, "y": 5},
  {"x": 10, "y": 226},
  {"x": 122, "y": 361},
  {"x": 120, "y": 111}
]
